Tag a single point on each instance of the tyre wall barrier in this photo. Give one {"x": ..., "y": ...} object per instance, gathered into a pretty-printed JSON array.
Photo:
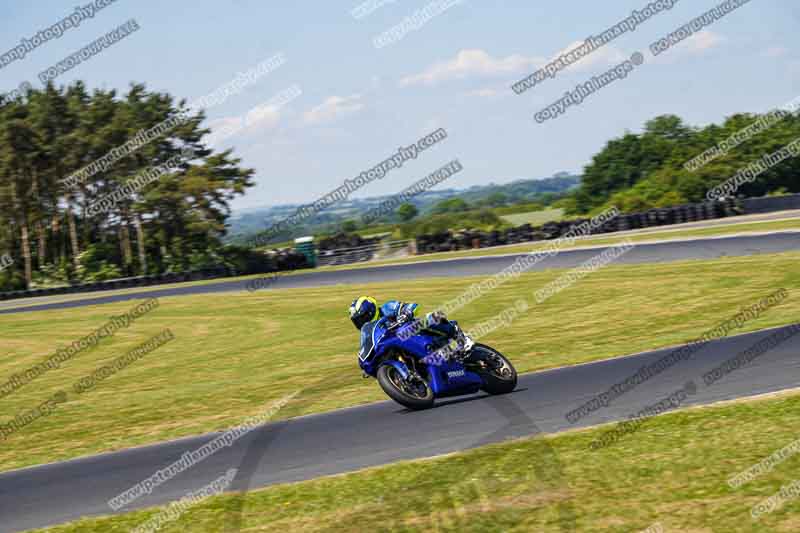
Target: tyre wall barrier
[
  {"x": 465, "y": 239},
  {"x": 283, "y": 262}
]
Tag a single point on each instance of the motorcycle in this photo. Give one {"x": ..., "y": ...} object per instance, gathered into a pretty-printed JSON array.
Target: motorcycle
[{"x": 403, "y": 358}]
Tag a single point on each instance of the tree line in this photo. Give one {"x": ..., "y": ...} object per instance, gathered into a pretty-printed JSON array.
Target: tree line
[
  {"x": 638, "y": 171},
  {"x": 175, "y": 222}
]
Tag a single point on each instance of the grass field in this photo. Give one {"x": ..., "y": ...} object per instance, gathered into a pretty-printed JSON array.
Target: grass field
[
  {"x": 673, "y": 472},
  {"x": 234, "y": 354},
  {"x": 648, "y": 235},
  {"x": 534, "y": 218}
]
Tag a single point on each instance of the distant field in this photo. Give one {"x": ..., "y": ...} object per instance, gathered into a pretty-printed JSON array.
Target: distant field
[
  {"x": 673, "y": 472},
  {"x": 235, "y": 353},
  {"x": 534, "y": 218},
  {"x": 650, "y": 234},
  {"x": 645, "y": 235}
]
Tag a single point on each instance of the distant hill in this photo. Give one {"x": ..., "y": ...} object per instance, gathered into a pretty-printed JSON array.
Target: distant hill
[
  {"x": 522, "y": 190},
  {"x": 250, "y": 221}
]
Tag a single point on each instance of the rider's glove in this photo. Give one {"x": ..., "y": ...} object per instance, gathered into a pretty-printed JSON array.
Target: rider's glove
[
  {"x": 436, "y": 317},
  {"x": 405, "y": 316},
  {"x": 406, "y": 313}
]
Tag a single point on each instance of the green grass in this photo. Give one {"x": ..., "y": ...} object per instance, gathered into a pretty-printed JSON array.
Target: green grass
[
  {"x": 534, "y": 218},
  {"x": 647, "y": 235},
  {"x": 651, "y": 235},
  {"x": 672, "y": 472},
  {"x": 235, "y": 353}
]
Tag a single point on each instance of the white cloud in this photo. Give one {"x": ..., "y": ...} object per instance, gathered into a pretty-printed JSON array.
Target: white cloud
[
  {"x": 332, "y": 108},
  {"x": 225, "y": 123},
  {"x": 263, "y": 117},
  {"x": 223, "y": 128},
  {"x": 471, "y": 63},
  {"x": 605, "y": 56},
  {"x": 702, "y": 41},
  {"x": 486, "y": 92},
  {"x": 697, "y": 44},
  {"x": 478, "y": 63},
  {"x": 259, "y": 119},
  {"x": 776, "y": 51}
]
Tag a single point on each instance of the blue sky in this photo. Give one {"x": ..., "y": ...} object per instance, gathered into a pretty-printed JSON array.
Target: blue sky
[{"x": 359, "y": 102}]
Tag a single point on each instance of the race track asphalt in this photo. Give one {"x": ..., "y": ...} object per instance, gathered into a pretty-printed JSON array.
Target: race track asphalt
[
  {"x": 375, "y": 434},
  {"x": 707, "y": 248}
]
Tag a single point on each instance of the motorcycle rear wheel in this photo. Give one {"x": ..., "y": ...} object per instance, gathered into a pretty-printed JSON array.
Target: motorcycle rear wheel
[
  {"x": 499, "y": 375},
  {"x": 420, "y": 396}
]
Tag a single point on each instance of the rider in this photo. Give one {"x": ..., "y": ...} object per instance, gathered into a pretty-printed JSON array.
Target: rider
[{"x": 365, "y": 310}]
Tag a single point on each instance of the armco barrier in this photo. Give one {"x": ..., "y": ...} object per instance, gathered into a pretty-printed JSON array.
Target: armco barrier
[
  {"x": 277, "y": 260},
  {"x": 139, "y": 281},
  {"x": 466, "y": 239},
  {"x": 770, "y": 204}
]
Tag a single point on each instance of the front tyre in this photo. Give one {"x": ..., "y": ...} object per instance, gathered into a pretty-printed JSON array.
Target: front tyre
[
  {"x": 413, "y": 393},
  {"x": 498, "y": 374}
]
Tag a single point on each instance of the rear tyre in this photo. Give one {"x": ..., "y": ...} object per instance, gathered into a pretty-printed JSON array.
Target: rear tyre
[
  {"x": 415, "y": 394},
  {"x": 499, "y": 375}
]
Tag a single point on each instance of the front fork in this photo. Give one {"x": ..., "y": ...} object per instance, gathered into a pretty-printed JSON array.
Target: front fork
[{"x": 400, "y": 366}]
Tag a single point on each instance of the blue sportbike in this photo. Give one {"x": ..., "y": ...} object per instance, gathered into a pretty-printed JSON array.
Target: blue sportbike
[{"x": 410, "y": 371}]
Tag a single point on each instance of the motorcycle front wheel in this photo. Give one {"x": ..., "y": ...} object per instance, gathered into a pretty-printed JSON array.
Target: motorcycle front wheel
[{"x": 414, "y": 393}]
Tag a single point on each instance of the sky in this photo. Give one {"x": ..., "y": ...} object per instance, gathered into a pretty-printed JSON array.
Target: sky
[{"x": 352, "y": 103}]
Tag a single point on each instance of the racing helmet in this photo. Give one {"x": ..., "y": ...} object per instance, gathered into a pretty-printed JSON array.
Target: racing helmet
[{"x": 363, "y": 309}]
